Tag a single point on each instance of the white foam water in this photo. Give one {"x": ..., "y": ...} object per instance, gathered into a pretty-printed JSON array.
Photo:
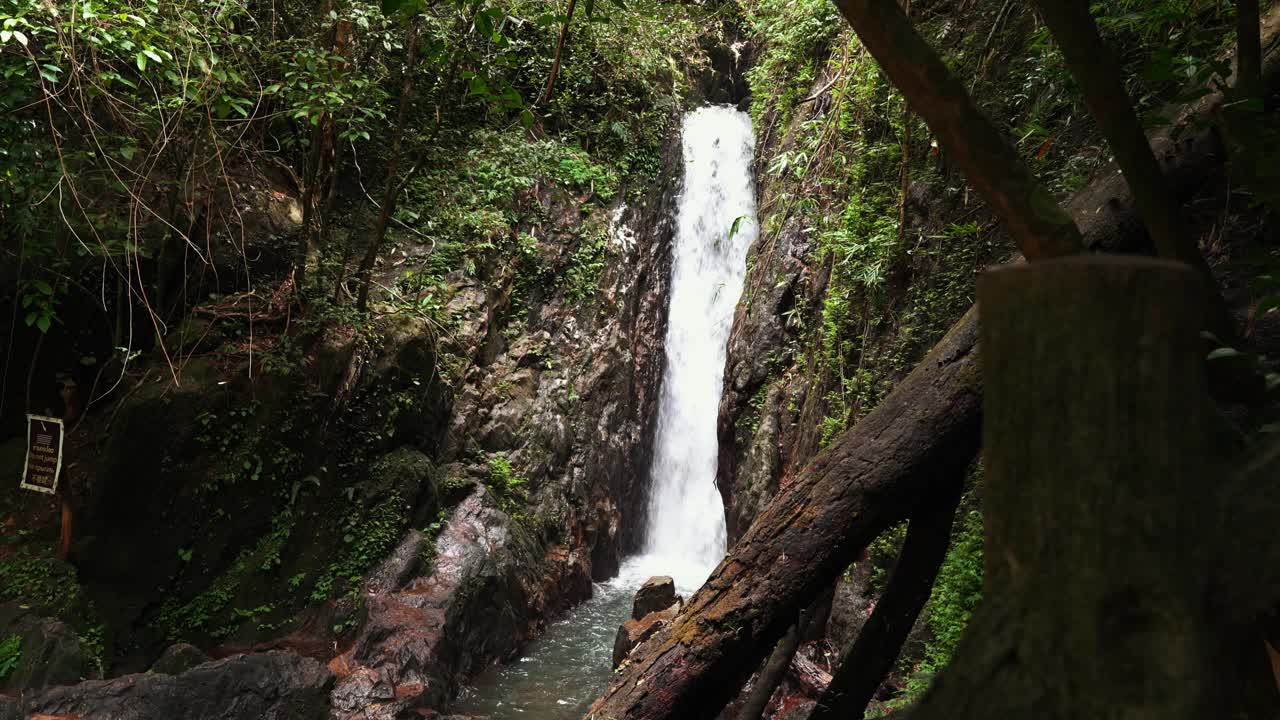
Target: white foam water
[{"x": 716, "y": 224}]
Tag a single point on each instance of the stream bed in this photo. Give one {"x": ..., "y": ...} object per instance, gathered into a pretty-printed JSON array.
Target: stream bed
[{"x": 565, "y": 670}]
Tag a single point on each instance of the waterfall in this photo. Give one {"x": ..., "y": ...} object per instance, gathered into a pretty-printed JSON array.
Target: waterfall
[
  {"x": 568, "y": 667},
  {"x": 716, "y": 223}
]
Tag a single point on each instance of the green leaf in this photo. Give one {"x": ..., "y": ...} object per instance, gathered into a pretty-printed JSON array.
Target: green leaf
[
  {"x": 1224, "y": 352},
  {"x": 44, "y": 322},
  {"x": 141, "y": 60},
  {"x": 21, "y": 37},
  {"x": 484, "y": 24},
  {"x": 407, "y": 7},
  {"x": 152, "y": 54},
  {"x": 526, "y": 119}
]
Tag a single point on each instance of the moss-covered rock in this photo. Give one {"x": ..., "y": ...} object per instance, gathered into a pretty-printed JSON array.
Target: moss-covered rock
[{"x": 49, "y": 651}]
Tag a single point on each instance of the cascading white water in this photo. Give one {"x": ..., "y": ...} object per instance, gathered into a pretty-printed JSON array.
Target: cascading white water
[
  {"x": 569, "y": 666},
  {"x": 686, "y": 530}
]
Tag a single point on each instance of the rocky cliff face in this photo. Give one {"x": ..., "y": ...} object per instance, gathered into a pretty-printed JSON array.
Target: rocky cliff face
[
  {"x": 405, "y": 502},
  {"x": 552, "y": 428}
]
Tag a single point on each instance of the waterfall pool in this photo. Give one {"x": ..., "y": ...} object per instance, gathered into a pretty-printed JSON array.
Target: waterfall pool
[{"x": 565, "y": 670}]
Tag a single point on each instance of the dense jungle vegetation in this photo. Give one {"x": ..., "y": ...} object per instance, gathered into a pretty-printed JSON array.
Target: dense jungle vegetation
[{"x": 330, "y": 294}]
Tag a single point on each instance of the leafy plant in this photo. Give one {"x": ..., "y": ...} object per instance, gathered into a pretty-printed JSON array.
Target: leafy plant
[{"x": 10, "y": 654}]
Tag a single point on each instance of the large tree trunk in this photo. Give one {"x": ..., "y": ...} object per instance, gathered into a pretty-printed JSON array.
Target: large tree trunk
[
  {"x": 866, "y": 482},
  {"x": 1095, "y": 505},
  {"x": 1095, "y": 71}
]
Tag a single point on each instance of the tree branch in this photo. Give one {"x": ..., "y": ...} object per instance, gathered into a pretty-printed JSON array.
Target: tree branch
[{"x": 865, "y": 663}]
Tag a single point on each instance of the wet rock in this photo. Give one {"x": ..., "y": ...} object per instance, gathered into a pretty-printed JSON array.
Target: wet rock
[
  {"x": 657, "y": 593},
  {"x": 633, "y": 632},
  {"x": 179, "y": 658},
  {"x": 427, "y": 631},
  {"x": 51, "y": 653},
  {"x": 761, "y": 437},
  {"x": 263, "y": 686}
]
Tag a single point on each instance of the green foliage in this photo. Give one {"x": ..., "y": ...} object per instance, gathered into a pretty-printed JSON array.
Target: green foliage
[
  {"x": 210, "y": 613},
  {"x": 956, "y": 594},
  {"x": 509, "y": 488},
  {"x": 128, "y": 123},
  {"x": 797, "y": 31},
  {"x": 883, "y": 552},
  {"x": 41, "y": 581},
  {"x": 502, "y": 478},
  {"x": 10, "y": 654},
  {"x": 475, "y": 211},
  {"x": 580, "y": 277},
  {"x": 38, "y": 305},
  {"x": 93, "y": 642},
  {"x": 366, "y": 540}
]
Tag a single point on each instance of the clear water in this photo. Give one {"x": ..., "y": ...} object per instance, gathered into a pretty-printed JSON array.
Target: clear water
[{"x": 562, "y": 672}]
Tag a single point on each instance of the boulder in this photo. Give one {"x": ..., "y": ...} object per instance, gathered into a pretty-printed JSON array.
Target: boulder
[
  {"x": 262, "y": 686},
  {"x": 50, "y": 650},
  {"x": 633, "y": 632},
  {"x": 431, "y": 625},
  {"x": 179, "y": 658},
  {"x": 657, "y": 593}
]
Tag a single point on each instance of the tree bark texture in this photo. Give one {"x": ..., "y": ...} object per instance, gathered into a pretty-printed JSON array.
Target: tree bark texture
[
  {"x": 812, "y": 622},
  {"x": 1095, "y": 498},
  {"x": 871, "y": 478},
  {"x": 865, "y": 663},
  {"x": 1248, "y": 83}
]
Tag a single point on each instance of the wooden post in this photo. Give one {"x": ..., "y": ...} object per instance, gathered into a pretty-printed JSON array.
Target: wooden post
[
  {"x": 72, "y": 407},
  {"x": 1097, "y": 498}
]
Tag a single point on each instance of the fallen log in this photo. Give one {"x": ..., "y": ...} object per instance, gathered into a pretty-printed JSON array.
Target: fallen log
[{"x": 872, "y": 477}]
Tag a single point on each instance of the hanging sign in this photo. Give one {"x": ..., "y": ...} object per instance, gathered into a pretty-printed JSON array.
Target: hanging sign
[{"x": 44, "y": 454}]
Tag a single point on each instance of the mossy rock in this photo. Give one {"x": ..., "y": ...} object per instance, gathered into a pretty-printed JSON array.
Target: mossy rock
[
  {"x": 50, "y": 652},
  {"x": 410, "y": 474}
]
